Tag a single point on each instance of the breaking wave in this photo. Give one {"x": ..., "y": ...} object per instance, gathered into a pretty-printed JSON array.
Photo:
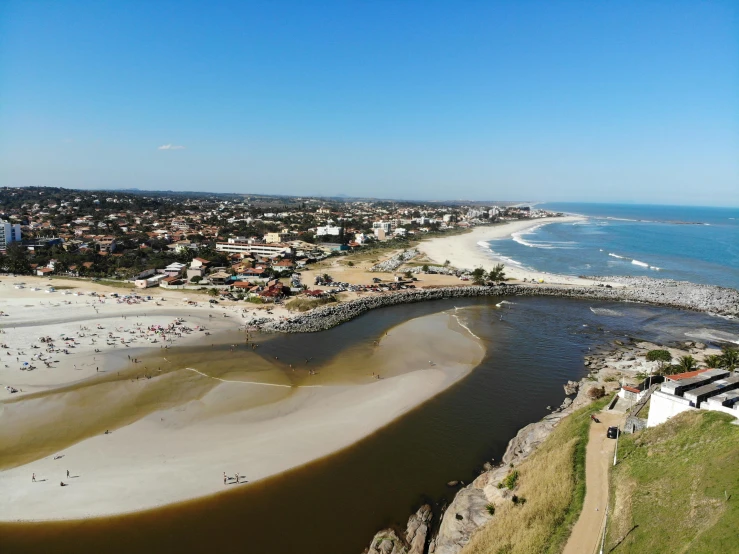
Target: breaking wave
[
  {"x": 504, "y": 259},
  {"x": 606, "y": 311},
  {"x": 713, "y": 335}
]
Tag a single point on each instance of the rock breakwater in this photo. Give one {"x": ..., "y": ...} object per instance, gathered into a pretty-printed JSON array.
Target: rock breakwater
[{"x": 673, "y": 294}]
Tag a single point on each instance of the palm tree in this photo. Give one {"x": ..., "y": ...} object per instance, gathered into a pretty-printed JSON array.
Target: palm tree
[
  {"x": 730, "y": 358},
  {"x": 686, "y": 363},
  {"x": 713, "y": 361}
]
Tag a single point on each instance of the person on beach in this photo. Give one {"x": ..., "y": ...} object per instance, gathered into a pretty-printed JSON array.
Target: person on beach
[
  {"x": 237, "y": 478},
  {"x": 33, "y": 478},
  {"x": 225, "y": 479},
  {"x": 67, "y": 474}
]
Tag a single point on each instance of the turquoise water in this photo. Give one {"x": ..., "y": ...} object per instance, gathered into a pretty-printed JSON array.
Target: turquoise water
[{"x": 668, "y": 242}]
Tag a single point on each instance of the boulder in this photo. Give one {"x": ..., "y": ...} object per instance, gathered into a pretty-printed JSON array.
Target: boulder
[{"x": 464, "y": 516}]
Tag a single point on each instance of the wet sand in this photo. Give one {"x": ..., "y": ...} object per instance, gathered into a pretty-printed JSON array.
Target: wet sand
[{"x": 174, "y": 435}]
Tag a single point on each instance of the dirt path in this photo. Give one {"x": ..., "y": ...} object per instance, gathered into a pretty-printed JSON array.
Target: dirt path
[{"x": 598, "y": 461}]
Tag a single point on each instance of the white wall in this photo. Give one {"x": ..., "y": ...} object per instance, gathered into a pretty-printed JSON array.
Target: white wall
[{"x": 663, "y": 406}]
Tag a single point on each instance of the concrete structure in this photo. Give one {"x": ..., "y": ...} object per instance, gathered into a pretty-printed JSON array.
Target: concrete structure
[
  {"x": 693, "y": 391},
  {"x": 9, "y": 232}
]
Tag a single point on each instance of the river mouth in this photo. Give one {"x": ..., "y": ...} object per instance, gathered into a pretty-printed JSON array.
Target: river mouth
[{"x": 335, "y": 504}]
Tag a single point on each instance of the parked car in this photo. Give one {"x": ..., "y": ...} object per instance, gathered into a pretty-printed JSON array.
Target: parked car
[{"x": 612, "y": 432}]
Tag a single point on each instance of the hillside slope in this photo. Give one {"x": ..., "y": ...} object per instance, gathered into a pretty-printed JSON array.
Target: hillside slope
[{"x": 676, "y": 488}]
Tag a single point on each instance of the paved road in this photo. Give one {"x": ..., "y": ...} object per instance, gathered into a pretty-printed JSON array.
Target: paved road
[{"x": 598, "y": 461}]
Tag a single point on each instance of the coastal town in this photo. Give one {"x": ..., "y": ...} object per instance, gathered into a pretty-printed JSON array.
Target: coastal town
[{"x": 242, "y": 246}]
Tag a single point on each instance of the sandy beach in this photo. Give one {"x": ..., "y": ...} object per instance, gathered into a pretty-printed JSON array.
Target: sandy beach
[
  {"x": 175, "y": 434},
  {"x": 466, "y": 252}
]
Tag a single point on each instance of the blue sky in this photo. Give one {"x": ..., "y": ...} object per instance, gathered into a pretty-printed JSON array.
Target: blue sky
[{"x": 554, "y": 101}]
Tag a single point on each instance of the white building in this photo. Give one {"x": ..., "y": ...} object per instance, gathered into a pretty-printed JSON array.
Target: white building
[
  {"x": 258, "y": 249},
  {"x": 709, "y": 389},
  {"x": 384, "y": 225},
  {"x": 328, "y": 230},
  {"x": 9, "y": 232}
]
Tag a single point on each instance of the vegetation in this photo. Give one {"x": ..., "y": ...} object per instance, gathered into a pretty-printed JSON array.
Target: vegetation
[
  {"x": 596, "y": 392},
  {"x": 550, "y": 492},
  {"x": 511, "y": 479},
  {"x": 675, "y": 488},
  {"x": 713, "y": 360},
  {"x": 305, "y": 304},
  {"x": 481, "y": 277},
  {"x": 659, "y": 356},
  {"x": 686, "y": 363},
  {"x": 730, "y": 358}
]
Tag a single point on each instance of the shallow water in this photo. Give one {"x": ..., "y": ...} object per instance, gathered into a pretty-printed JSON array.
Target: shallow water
[{"x": 334, "y": 505}]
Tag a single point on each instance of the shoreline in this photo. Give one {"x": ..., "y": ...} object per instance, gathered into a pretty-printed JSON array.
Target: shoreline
[
  {"x": 470, "y": 250},
  {"x": 178, "y": 453}
]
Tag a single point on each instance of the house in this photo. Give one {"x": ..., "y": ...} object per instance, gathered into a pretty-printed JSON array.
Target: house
[
  {"x": 44, "y": 271},
  {"x": 329, "y": 230},
  {"x": 149, "y": 282},
  {"x": 198, "y": 267},
  {"x": 106, "y": 244},
  {"x": 174, "y": 269},
  {"x": 219, "y": 277}
]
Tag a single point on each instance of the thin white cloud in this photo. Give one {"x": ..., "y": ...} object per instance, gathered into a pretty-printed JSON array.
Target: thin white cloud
[{"x": 171, "y": 147}]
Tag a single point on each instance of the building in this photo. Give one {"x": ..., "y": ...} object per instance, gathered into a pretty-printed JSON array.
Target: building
[
  {"x": 254, "y": 248},
  {"x": 329, "y": 230},
  {"x": 9, "y": 232},
  {"x": 150, "y": 282},
  {"x": 706, "y": 389},
  {"x": 282, "y": 236},
  {"x": 386, "y": 226}
]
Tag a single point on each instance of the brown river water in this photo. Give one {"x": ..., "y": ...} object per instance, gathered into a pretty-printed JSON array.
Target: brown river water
[{"x": 334, "y": 505}]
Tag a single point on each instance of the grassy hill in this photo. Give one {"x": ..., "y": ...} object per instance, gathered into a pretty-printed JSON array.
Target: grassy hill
[
  {"x": 676, "y": 488},
  {"x": 550, "y": 489}
]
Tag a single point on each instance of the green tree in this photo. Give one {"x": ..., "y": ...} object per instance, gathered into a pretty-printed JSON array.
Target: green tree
[
  {"x": 196, "y": 279},
  {"x": 686, "y": 363},
  {"x": 497, "y": 273},
  {"x": 478, "y": 276},
  {"x": 213, "y": 292},
  {"x": 16, "y": 259},
  {"x": 713, "y": 360},
  {"x": 730, "y": 358},
  {"x": 659, "y": 356},
  {"x": 425, "y": 268}
]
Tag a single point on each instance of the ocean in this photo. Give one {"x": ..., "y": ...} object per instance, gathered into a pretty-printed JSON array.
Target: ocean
[{"x": 694, "y": 244}]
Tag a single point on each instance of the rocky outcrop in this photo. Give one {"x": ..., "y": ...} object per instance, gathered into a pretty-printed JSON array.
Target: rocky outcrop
[
  {"x": 571, "y": 387},
  {"x": 413, "y": 541},
  {"x": 463, "y": 517},
  {"x": 394, "y": 262}
]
